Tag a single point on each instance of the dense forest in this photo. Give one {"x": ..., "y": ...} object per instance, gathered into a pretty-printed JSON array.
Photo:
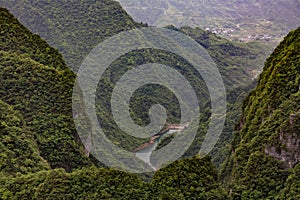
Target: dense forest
[
  {"x": 77, "y": 34},
  {"x": 76, "y": 27},
  {"x": 265, "y": 150},
  {"x": 42, "y": 156}
]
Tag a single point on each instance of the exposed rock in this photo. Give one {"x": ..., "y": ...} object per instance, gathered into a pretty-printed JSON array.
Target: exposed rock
[{"x": 288, "y": 150}]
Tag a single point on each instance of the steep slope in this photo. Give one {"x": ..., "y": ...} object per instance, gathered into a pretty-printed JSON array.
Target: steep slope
[
  {"x": 37, "y": 85},
  {"x": 74, "y": 31},
  {"x": 36, "y": 82},
  {"x": 16, "y": 38},
  {"x": 19, "y": 152},
  {"x": 20, "y": 41},
  {"x": 267, "y": 141},
  {"x": 232, "y": 59},
  {"x": 292, "y": 185},
  {"x": 149, "y": 95},
  {"x": 87, "y": 183},
  {"x": 73, "y": 27},
  {"x": 76, "y": 27}
]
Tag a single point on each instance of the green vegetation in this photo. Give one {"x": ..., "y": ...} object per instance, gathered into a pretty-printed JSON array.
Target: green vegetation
[
  {"x": 39, "y": 142},
  {"x": 16, "y": 38},
  {"x": 250, "y": 20},
  {"x": 192, "y": 178},
  {"x": 292, "y": 185},
  {"x": 78, "y": 31},
  {"x": 270, "y": 121},
  {"x": 187, "y": 179},
  {"x": 19, "y": 154},
  {"x": 236, "y": 71},
  {"x": 88, "y": 183},
  {"x": 42, "y": 157},
  {"x": 73, "y": 27},
  {"x": 36, "y": 82}
]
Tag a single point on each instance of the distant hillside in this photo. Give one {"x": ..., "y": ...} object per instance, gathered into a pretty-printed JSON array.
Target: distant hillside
[
  {"x": 234, "y": 56},
  {"x": 73, "y": 27},
  {"x": 76, "y": 27},
  {"x": 266, "y": 146},
  {"x": 36, "y": 81},
  {"x": 246, "y": 20},
  {"x": 237, "y": 63}
]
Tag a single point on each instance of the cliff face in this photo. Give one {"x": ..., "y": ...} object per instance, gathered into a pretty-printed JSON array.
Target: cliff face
[{"x": 288, "y": 150}]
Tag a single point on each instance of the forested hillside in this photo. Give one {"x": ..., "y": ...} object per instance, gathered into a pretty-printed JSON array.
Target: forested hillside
[
  {"x": 36, "y": 82},
  {"x": 73, "y": 27},
  {"x": 19, "y": 152},
  {"x": 42, "y": 157},
  {"x": 76, "y": 27},
  {"x": 187, "y": 179},
  {"x": 266, "y": 154}
]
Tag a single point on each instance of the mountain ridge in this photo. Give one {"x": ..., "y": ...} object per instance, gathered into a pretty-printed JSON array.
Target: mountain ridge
[
  {"x": 36, "y": 117},
  {"x": 268, "y": 133}
]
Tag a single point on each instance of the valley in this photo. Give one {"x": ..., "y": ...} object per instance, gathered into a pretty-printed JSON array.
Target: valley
[{"x": 42, "y": 46}]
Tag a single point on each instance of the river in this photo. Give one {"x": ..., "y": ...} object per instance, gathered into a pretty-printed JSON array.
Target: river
[{"x": 145, "y": 154}]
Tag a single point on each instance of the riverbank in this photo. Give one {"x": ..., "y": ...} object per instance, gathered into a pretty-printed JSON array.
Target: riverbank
[{"x": 170, "y": 127}]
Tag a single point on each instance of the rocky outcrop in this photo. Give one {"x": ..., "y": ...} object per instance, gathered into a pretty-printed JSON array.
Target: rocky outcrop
[{"x": 288, "y": 148}]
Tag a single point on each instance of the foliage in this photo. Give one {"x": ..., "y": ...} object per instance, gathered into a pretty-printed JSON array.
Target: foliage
[
  {"x": 267, "y": 114},
  {"x": 73, "y": 27},
  {"x": 192, "y": 178},
  {"x": 40, "y": 134},
  {"x": 40, "y": 92},
  {"x": 292, "y": 185},
  {"x": 187, "y": 179},
  {"x": 19, "y": 154},
  {"x": 78, "y": 31},
  {"x": 16, "y": 38},
  {"x": 41, "y": 157},
  {"x": 87, "y": 183},
  {"x": 233, "y": 70}
]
